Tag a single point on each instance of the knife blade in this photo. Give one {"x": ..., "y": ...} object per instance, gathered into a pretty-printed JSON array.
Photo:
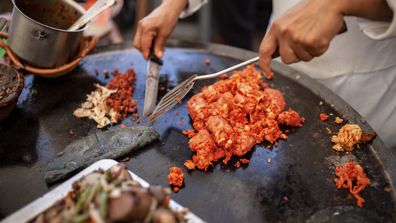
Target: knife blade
[{"x": 154, "y": 65}]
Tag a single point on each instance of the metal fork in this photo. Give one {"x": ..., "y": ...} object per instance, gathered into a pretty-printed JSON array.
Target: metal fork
[{"x": 180, "y": 91}]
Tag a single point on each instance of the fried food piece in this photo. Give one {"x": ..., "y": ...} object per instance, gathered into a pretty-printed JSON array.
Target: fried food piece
[
  {"x": 352, "y": 176},
  {"x": 205, "y": 147},
  {"x": 323, "y": 116},
  {"x": 198, "y": 111},
  {"x": 175, "y": 178},
  {"x": 189, "y": 164},
  {"x": 244, "y": 161},
  {"x": 338, "y": 120},
  {"x": 290, "y": 118},
  {"x": 222, "y": 131},
  {"x": 276, "y": 103},
  {"x": 348, "y": 136}
]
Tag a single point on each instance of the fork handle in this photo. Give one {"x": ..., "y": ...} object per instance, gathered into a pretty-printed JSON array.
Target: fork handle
[{"x": 202, "y": 77}]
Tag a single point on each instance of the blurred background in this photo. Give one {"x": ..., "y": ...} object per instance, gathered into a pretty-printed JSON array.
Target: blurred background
[{"x": 240, "y": 23}]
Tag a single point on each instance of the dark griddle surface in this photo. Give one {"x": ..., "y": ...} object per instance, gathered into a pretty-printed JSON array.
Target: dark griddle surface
[{"x": 295, "y": 186}]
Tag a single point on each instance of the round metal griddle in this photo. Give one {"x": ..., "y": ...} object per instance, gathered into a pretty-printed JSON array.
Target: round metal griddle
[{"x": 296, "y": 186}]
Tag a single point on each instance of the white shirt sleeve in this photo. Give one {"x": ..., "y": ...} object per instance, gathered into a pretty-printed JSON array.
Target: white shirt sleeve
[
  {"x": 380, "y": 30},
  {"x": 193, "y": 6}
]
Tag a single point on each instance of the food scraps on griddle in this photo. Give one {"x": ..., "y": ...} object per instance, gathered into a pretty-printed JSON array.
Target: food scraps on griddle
[
  {"x": 350, "y": 135},
  {"x": 232, "y": 115},
  {"x": 351, "y": 176},
  {"x": 224, "y": 76},
  {"x": 290, "y": 118},
  {"x": 175, "y": 178},
  {"x": 338, "y": 120},
  {"x": 323, "y": 116},
  {"x": 112, "y": 196},
  {"x": 96, "y": 108},
  {"x": 106, "y": 105},
  {"x": 244, "y": 161},
  {"x": 189, "y": 165}
]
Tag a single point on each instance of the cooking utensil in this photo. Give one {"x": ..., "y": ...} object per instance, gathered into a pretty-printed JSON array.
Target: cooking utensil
[
  {"x": 180, "y": 91},
  {"x": 92, "y": 12},
  {"x": 154, "y": 65},
  {"x": 38, "y": 32}
]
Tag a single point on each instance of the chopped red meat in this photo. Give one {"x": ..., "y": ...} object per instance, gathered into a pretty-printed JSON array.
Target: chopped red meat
[
  {"x": 232, "y": 115},
  {"x": 290, "y": 118},
  {"x": 323, "y": 116},
  {"x": 175, "y": 178}
]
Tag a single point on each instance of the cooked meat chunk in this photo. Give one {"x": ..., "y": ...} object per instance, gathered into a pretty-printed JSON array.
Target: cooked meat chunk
[
  {"x": 348, "y": 136},
  {"x": 290, "y": 118}
]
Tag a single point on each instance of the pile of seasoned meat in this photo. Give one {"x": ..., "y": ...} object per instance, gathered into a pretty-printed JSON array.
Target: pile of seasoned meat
[
  {"x": 112, "y": 196},
  {"x": 232, "y": 115},
  {"x": 121, "y": 101}
]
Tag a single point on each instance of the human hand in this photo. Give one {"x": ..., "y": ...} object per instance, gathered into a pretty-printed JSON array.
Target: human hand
[
  {"x": 303, "y": 32},
  {"x": 158, "y": 24}
]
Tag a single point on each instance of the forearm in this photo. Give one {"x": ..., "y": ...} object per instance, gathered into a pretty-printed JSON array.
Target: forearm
[
  {"x": 177, "y": 6},
  {"x": 369, "y": 9}
]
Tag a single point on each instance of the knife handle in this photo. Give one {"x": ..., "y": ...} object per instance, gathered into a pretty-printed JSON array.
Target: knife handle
[{"x": 152, "y": 55}]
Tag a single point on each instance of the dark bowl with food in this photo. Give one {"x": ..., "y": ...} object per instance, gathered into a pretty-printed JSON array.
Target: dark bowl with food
[{"x": 11, "y": 85}]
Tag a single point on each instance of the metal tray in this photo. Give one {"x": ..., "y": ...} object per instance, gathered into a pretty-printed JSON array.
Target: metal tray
[
  {"x": 38, "y": 206},
  {"x": 296, "y": 186}
]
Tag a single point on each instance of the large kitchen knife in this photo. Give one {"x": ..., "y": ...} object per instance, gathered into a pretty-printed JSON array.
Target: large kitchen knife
[{"x": 154, "y": 65}]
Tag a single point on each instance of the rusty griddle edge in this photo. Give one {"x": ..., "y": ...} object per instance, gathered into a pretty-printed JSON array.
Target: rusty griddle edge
[{"x": 383, "y": 154}]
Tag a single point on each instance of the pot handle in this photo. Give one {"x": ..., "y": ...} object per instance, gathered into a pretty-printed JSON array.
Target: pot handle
[{"x": 8, "y": 50}]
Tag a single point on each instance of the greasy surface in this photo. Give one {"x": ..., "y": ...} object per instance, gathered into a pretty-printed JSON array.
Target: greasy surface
[
  {"x": 111, "y": 144},
  {"x": 296, "y": 184}
]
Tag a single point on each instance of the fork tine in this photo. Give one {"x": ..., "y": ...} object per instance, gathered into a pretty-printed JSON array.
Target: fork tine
[
  {"x": 171, "y": 98},
  {"x": 170, "y": 103},
  {"x": 176, "y": 89},
  {"x": 163, "y": 108}
]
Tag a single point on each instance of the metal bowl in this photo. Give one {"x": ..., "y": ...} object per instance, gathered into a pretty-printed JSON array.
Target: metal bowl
[
  {"x": 11, "y": 85},
  {"x": 38, "y": 32}
]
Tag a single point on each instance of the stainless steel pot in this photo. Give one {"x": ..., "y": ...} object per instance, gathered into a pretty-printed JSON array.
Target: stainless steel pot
[{"x": 38, "y": 31}]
